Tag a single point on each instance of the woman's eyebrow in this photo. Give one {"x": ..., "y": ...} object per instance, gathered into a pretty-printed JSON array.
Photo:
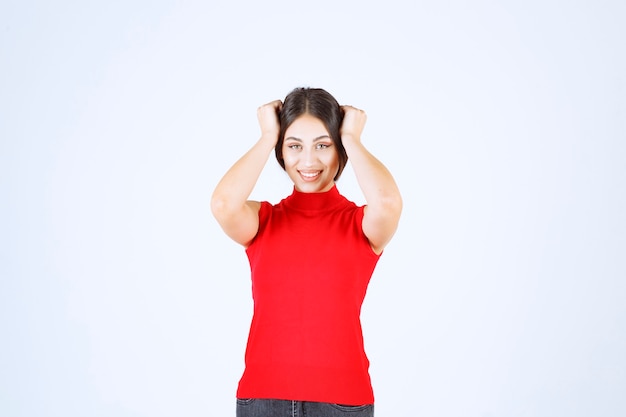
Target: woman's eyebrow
[
  {"x": 314, "y": 140},
  {"x": 321, "y": 137}
]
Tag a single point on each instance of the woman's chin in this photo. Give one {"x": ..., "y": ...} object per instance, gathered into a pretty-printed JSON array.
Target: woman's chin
[{"x": 313, "y": 186}]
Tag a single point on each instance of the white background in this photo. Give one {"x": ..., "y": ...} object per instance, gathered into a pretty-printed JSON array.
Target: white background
[{"x": 504, "y": 123}]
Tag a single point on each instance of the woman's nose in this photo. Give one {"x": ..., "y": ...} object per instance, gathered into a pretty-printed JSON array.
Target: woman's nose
[{"x": 309, "y": 157}]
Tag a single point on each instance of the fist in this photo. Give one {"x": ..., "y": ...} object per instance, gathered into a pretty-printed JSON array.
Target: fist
[
  {"x": 353, "y": 122},
  {"x": 267, "y": 115}
]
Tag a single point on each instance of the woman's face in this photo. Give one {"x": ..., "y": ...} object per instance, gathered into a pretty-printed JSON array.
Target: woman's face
[{"x": 310, "y": 156}]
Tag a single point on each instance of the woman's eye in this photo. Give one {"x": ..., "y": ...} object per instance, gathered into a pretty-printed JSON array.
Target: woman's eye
[
  {"x": 322, "y": 145},
  {"x": 294, "y": 146}
]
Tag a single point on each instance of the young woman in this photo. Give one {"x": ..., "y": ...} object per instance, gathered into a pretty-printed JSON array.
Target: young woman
[{"x": 311, "y": 257}]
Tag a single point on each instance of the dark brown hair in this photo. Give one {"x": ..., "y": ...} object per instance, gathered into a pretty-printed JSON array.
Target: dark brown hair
[{"x": 318, "y": 103}]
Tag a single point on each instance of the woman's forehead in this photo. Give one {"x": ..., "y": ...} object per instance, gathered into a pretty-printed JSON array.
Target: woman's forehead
[{"x": 307, "y": 127}]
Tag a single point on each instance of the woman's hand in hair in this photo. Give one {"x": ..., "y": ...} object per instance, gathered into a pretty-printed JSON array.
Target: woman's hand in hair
[
  {"x": 268, "y": 118},
  {"x": 353, "y": 123}
]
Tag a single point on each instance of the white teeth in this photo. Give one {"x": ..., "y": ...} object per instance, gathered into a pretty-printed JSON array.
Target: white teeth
[{"x": 310, "y": 174}]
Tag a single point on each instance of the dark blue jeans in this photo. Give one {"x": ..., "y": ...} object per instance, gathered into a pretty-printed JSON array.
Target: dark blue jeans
[{"x": 284, "y": 408}]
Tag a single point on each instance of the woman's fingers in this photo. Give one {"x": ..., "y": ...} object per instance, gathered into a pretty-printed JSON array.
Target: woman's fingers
[
  {"x": 353, "y": 121},
  {"x": 268, "y": 117}
]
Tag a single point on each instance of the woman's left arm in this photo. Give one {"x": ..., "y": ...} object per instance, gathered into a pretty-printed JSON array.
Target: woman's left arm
[{"x": 384, "y": 203}]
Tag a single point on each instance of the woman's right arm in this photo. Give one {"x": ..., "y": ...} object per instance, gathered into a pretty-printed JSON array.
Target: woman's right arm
[{"x": 238, "y": 216}]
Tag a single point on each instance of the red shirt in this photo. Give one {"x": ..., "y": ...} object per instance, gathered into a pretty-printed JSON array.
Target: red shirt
[{"x": 310, "y": 265}]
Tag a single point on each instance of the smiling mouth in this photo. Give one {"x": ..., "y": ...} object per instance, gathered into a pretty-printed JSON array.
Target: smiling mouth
[{"x": 310, "y": 175}]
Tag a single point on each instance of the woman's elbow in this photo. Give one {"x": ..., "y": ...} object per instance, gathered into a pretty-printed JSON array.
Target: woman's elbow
[
  {"x": 392, "y": 204},
  {"x": 220, "y": 206}
]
